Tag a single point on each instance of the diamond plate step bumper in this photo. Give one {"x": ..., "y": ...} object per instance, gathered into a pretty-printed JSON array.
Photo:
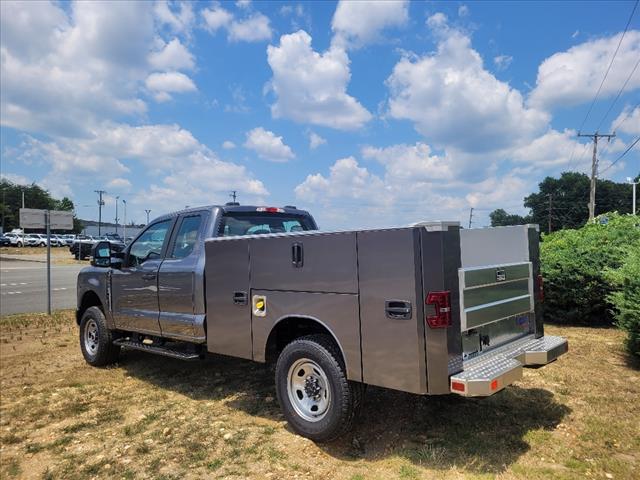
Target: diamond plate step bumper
[{"x": 490, "y": 372}]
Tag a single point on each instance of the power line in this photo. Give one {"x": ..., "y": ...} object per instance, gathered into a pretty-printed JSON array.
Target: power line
[
  {"x": 619, "y": 93},
  {"x": 620, "y": 157},
  {"x": 606, "y": 73}
]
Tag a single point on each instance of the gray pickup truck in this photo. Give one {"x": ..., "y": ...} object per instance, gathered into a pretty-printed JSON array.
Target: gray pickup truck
[{"x": 429, "y": 309}]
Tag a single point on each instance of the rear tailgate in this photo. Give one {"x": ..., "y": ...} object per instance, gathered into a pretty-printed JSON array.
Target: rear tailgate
[{"x": 500, "y": 317}]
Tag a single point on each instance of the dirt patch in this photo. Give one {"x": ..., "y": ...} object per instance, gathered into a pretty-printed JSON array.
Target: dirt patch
[
  {"x": 152, "y": 417},
  {"x": 59, "y": 255}
]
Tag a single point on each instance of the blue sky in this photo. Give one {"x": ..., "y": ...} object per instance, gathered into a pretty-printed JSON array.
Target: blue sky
[{"x": 366, "y": 114}]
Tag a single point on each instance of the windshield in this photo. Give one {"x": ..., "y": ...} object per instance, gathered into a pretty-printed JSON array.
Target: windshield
[{"x": 258, "y": 223}]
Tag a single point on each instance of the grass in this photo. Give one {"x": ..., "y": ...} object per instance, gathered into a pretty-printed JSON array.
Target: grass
[
  {"x": 59, "y": 255},
  {"x": 152, "y": 417}
]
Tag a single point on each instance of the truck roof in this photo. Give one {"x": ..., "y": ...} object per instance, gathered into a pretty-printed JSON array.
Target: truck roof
[{"x": 230, "y": 208}]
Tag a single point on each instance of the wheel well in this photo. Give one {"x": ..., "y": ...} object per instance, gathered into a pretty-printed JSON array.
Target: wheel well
[
  {"x": 89, "y": 299},
  {"x": 288, "y": 329}
]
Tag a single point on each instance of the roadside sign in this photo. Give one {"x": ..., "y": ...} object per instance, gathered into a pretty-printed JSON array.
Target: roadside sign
[
  {"x": 32, "y": 218},
  {"x": 49, "y": 219},
  {"x": 60, "y": 220},
  {"x": 37, "y": 218}
]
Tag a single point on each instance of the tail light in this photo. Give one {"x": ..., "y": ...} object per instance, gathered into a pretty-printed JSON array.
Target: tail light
[
  {"x": 270, "y": 209},
  {"x": 441, "y": 301},
  {"x": 540, "y": 288}
]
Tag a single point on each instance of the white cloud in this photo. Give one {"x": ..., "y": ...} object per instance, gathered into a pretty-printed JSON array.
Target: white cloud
[
  {"x": 575, "y": 34},
  {"x": 92, "y": 58},
  {"x": 119, "y": 184},
  {"x": 361, "y": 22},
  {"x": 180, "y": 21},
  {"x": 228, "y": 145},
  {"x": 254, "y": 28},
  {"x": 628, "y": 121},
  {"x": 173, "y": 55},
  {"x": 502, "y": 62},
  {"x": 463, "y": 11},
  {"x": 551, "y": 149},
  {"x": 15, "y": 178},
  {"x": 268, "y": 145},
  {"x": 455, "y": 102},
  {"x": 243, "y": 3},
  {"x": 315, "y": 140},
  {"x": 311, "y": 87},
  {"x": 162, "y": 84},
  {"x": 413, "y": 163},
  {"x": 573, "y": 77},
  {"x": 346, "y": 180},
  {"x": 216, "y": 17}
]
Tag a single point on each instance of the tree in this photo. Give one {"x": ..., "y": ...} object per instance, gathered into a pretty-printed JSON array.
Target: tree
[
  {"x": 35, "y": 197},
  {"x": 500, "y": 218},
  {"x": 564, "y": 201}
]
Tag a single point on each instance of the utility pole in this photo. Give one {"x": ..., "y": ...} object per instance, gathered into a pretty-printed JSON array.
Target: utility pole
[
  {"x": 100, "y": 204},
  {"x": 594, "y": 168},
  {"x": 549, "y": 214},
  {"x": 23, "y": 198},
  {"x": 470, "y": 216},
  {"x": 117, "y": 198},
  {"x": 233, "y": 195},
  {"x": 633, "y": 204},
  {"x": 147, "y": 212}
]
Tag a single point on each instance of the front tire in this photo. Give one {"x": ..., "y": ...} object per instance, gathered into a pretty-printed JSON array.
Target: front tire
[
  {"x": 96, "y": 340},
  {"x": 313, "y": 391},
  {"x": 19, "y": 244}
]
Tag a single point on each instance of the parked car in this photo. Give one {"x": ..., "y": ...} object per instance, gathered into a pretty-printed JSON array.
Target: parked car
[
  {"x": 428, "y": 309},
  {"x": 68, "y": 239},
  {"x": 33, "y": 240},
  {"x": 5, "y": 241},
  {"x": 81, "y": 246},
  {"x": 16, "y": 239}
]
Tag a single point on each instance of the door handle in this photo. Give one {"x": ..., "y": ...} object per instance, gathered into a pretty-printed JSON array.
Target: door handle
[
  {"x": 149, "y": 276},
  {"x": 397, "y": 309},
  {"x": 240, "y": 298},
  {"x": 297, "y": 259}
]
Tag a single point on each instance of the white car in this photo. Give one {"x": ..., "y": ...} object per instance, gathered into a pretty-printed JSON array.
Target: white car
[{"x": 16, "y": 239}]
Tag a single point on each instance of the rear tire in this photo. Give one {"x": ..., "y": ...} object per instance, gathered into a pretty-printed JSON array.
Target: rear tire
[
  {"x": 19, "y": 244},
  {"x": 313, "y": 391},
  {"x": 96, "y": 340}
]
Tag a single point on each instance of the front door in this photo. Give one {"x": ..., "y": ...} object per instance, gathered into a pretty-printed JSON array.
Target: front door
[
  {"x": 178, "y": 276},
  {"x": 135, "y": 286}
]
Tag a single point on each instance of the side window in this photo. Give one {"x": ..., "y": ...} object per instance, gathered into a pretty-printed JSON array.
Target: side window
[
  {"x": 149, "y": 244},
  {"x": 187, "y": 236}
]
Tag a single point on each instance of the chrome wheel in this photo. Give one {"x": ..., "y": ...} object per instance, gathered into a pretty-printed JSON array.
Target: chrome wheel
[
  {"x": 308, "y": 390},
  {"x": 91, "y": 337}
]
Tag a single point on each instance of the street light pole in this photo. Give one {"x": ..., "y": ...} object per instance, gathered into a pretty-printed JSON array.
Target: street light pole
[
  {"x": 633, "y": 196},
  {"x": 148, "y": 212},
  {"x": 117, "y": 198},
  {"x": 124, "y": 228}
]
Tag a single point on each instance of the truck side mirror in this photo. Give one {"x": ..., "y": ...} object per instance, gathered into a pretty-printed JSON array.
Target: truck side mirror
[{"x": 101, "y": 254}]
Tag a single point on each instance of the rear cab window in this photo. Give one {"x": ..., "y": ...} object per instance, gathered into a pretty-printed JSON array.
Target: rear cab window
[{"x": 260, "y": 223}]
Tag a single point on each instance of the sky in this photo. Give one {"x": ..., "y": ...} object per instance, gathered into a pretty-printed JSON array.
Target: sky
[{"x": 367, "y": 114}]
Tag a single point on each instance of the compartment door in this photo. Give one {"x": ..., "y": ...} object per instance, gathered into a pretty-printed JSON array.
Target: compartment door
[
  {"x": 393, "y": 349},
  {"x": 322, "y": 262},
  {"x": 227, "y": 297}
]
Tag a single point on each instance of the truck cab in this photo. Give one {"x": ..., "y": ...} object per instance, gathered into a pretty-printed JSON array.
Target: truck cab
[{"x": 157, "y": 288}]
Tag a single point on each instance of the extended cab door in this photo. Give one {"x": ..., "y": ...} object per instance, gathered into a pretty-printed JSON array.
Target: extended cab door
[
  {"x": 135, "y": 286},
  {"x": 180, "y": 278}
]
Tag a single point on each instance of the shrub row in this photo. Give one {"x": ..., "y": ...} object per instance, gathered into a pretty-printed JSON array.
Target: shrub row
[{"x": 592, "y": 274}]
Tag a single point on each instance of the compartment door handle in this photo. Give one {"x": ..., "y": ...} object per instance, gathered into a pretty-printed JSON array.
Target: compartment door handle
[
  {"x": 397, "y": 309},
  {"x": 297, "y": 259}
]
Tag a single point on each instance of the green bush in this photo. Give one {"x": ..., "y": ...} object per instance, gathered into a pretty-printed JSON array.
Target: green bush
[
  {"x": 626, "y": 298},
  {"x": 579, "y": 268}
]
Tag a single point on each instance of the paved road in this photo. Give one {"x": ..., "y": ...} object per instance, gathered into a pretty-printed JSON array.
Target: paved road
[{"x": 23, "y": 286}]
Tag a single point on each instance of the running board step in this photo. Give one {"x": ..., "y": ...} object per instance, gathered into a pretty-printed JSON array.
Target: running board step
[
  {"x": 167, "y": 352},
  {"x": 490, "y": 372}
]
